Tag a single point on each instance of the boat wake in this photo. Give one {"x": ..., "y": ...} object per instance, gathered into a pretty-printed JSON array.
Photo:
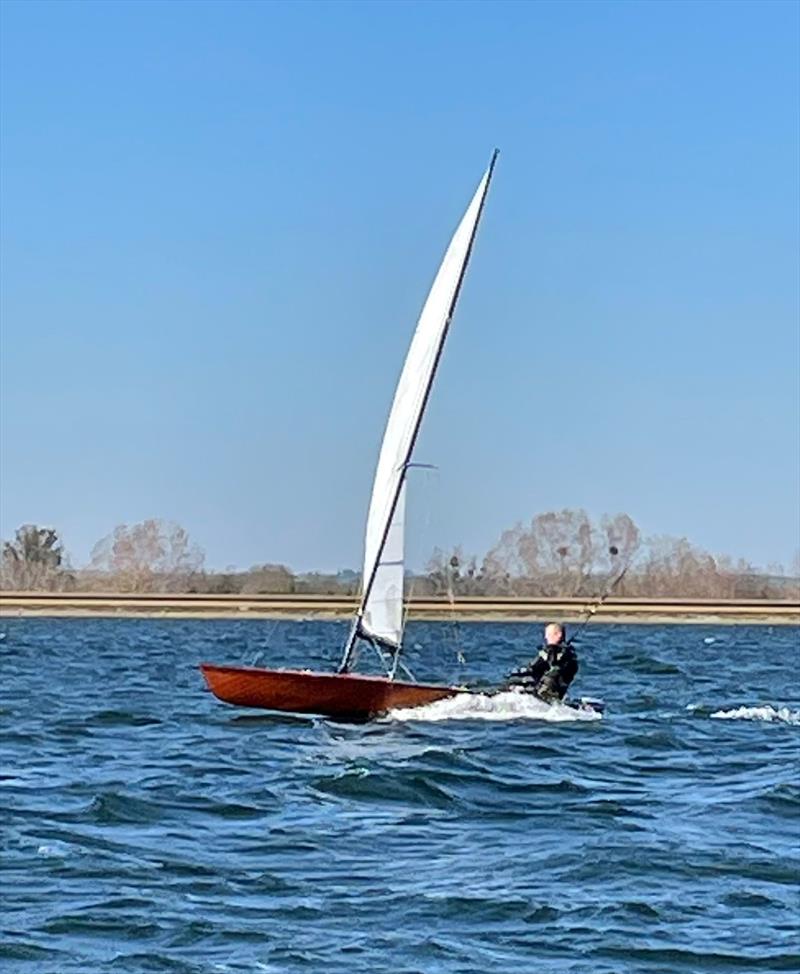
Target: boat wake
[
  {"x": 773, "y": 715},
  {"x": 508, "y": 705}
]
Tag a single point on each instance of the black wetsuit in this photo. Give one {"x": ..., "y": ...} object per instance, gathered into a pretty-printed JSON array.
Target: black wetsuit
[{"x": 549, "y": 674}]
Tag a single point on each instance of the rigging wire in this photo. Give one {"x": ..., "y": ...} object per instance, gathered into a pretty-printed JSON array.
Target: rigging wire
[
  {"x": 266, "y": 647},
  {"x": 429, "y": 470},
  {"x": 595, "y": 605},
  {"x": 449, "y": 568}
]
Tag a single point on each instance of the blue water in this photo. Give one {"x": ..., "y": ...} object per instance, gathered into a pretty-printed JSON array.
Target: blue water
[{"x": 147, "y": 827}]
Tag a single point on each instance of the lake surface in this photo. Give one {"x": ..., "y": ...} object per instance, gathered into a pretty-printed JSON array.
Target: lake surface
[{"x": 147, "y": 827}]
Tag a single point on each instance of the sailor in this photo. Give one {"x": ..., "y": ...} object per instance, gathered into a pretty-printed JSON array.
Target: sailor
[{"x": 550, "y": 672}]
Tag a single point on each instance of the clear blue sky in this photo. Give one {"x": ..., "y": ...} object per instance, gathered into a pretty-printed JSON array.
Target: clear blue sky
[{"x": 220, "y": 220}]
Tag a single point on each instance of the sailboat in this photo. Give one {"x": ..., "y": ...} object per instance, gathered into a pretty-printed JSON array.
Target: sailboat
[{"x": 344, "y": 695}]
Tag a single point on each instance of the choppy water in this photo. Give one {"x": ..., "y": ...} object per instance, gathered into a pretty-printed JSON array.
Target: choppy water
[{"x": 147, "y": 827}]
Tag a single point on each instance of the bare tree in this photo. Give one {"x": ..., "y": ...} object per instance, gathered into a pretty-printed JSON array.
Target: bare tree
[
  {"x": 562, "y": 553},
  {"x": 151, "y": 555},
  {"x": 675, "y": 567},
  {"x": 557, "y": 554},
  {"x": 621, "y": 533},
  {"x": 506, "y": 562},
  {"x": 455, "y": 574}
]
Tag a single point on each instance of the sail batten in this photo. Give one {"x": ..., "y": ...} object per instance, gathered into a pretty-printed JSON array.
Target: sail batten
[{"x": 381, "y": 610}]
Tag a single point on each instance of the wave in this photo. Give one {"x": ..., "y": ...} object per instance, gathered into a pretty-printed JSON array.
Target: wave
[
  {"x": 508, "y": 705},
  {"x": 405, "y": 788},
  {"x": 777, "y": 715}
]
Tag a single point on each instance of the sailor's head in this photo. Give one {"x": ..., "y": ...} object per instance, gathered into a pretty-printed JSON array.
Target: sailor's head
[{"x": 553, "y": 633}]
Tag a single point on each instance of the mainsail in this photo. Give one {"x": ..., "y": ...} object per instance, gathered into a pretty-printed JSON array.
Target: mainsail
[{"x": 380, "y": 616}]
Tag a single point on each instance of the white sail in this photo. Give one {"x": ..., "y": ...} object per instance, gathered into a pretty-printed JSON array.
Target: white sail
[{"x": 381, "y": 610}]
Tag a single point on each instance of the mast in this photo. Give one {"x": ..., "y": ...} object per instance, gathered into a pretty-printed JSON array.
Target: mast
[{"x": 355, "y": 630}]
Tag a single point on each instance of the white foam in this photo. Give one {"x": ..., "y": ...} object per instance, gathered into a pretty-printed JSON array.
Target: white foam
[
  {"x": 509, "y": 705},
  {"x": 782, "y": 715}
]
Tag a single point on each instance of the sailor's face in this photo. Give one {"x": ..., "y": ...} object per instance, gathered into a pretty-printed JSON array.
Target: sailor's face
[{"x": 553, "y": 634}]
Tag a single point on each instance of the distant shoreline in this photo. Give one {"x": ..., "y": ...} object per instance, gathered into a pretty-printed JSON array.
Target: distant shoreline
[{"x": 477, "y": 608}]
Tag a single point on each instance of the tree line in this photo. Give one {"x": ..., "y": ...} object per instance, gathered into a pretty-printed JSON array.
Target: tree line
[{"x": 557, "y": 553}]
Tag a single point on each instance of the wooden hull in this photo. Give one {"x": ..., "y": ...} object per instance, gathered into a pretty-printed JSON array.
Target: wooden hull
[{"x": 341, "y": 696}]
